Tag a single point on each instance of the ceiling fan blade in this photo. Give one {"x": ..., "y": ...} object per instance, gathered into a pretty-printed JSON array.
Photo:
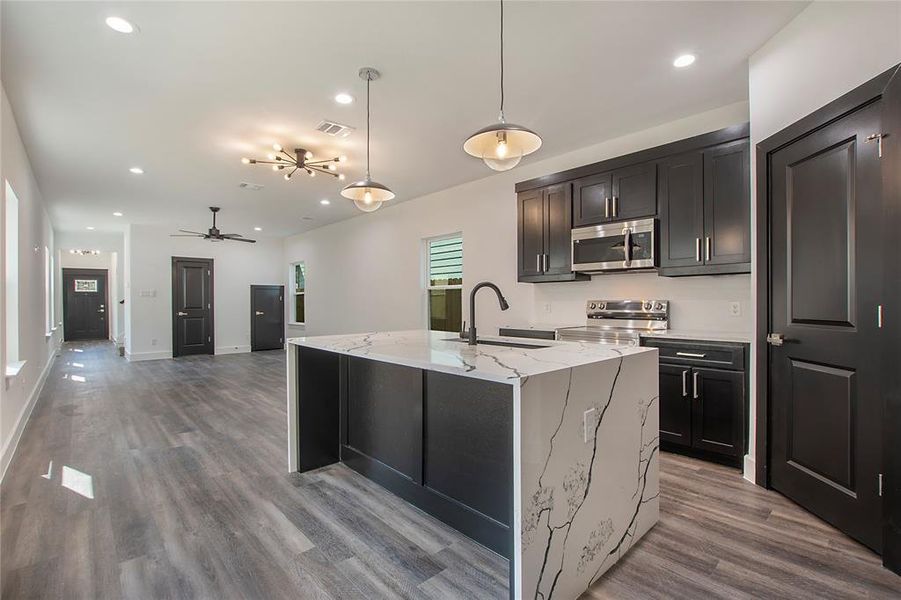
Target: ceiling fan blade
[
  {"x": 231, "y": 235},
  {"x": 189, "y": 231},
  {"x": 241, "y": 239},
  {"x": 198, "y": 235}
]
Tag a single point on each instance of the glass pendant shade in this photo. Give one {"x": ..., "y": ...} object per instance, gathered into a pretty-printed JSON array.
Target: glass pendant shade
[{"x": 502, "y": 146}]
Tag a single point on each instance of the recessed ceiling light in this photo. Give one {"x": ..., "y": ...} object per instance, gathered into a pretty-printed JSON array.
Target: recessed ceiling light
[
  {"x": 137, "y": 170},
  {"x": 258, "y": 229},
  {"x": 117, "y": 214},
  {"x": 89, "y": 228},
  {"x": 344, "y": 98},
  {"x": 325, "y": 202},
  {"x": 684, "y": 60},
  {"x": 119, "y": 24}
]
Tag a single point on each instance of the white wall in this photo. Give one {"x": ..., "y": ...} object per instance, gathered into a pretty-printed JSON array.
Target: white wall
[
  {"x": 36, "y": 347},
  {"x": 148, "y": 267},
  {"x": 366, "y": 273},
  {"x": 826, "y": 51}
]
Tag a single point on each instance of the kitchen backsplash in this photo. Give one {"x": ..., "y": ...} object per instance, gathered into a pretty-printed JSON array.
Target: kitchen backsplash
[{"x": 696, "y": 303}]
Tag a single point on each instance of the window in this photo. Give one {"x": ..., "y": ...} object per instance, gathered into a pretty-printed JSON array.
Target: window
[
  {"x": 444, "y": 293},
  {"x": 299, "y": 285},
  {"x": 11, "y": 273}
]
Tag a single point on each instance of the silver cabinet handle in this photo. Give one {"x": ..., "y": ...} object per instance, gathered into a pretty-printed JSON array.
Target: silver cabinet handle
[
  {"x": 259, "y": 312},
  {"x": 691, "y": 354},
  {"x": 545, "y": 262},
  {"x": 538, "y": 263},
  {"x": 694, "y": 385},
  {"x": 707, "y": 249},
  {"x": 607, "y": 207},
  {"x": 698, "y": 249},
  {"x": 182, "y": 314},
  {"x": 627, "y": 246},
  {"x": 615, "y": 207},
  {"x": 684, "y": 383}
]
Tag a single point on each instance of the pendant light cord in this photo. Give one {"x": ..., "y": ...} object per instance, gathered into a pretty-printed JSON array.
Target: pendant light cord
[
  {"x": 368, "y": 80},
  {"x": 502, "y": 62}
]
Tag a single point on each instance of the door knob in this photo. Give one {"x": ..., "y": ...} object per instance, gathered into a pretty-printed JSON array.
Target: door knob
[
  {"x": 182, "y": 314},
  {"x": 258, "y": 313},
  {"x": 775, "y": 339}
]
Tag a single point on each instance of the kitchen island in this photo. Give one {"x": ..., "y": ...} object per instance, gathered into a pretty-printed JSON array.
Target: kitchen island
[{"x": 545, "y": 452}]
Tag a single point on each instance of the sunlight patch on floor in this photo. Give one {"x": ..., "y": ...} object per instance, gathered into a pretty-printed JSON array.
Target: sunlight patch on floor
[{"x": 78, "y": 482}]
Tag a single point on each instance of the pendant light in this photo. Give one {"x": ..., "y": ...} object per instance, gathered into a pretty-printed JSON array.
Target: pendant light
[
  {"x": 367, "y": 194},
  {"x": 503, "y": 144}
]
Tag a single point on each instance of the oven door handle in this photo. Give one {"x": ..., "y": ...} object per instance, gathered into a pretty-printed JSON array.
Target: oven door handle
[{"x": 627, "y": 247}]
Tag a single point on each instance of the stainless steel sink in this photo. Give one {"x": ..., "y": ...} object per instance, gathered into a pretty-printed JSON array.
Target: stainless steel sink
[{"x": 498, "y": 343}]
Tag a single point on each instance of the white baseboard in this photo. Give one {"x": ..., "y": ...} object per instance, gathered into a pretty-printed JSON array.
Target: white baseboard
[
  {"x": 9, "y": 450},
  {"x": 750, "y": 468},
  {"x": 232, "y": 349},
  {"x": 140, "y": 356}
]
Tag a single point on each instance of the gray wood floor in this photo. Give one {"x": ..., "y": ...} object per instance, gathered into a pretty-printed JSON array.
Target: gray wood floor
[{"x": 166, "y": 479}]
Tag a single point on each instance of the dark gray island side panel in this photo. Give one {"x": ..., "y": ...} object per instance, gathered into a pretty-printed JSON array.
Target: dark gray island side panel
[{"x": 442, "y": 442}]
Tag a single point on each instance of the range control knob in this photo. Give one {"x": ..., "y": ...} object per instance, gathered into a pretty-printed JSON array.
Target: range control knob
[
  {"x": 602, "y": 305},
  {"x": 648, "y": 306},
  {"x": 592, "y": 306},
  {"x": 659, "y": 306}
]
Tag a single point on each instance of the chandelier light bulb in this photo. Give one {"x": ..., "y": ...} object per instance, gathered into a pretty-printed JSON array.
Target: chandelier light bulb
[
  {"x": 276, "y": 147},
  {"x": 275, "y": 167},
  {"x": 341, "y": 177},
  {"x": 245, "y": 160},
  {"x": 270, "y": 156},
  {"x": 342, "y": 158},
  {"x": 287, "y": 176},
  {"x": 332, "y": 167},
  {"x": 308, "y": 155},
  {"x": 312, "y": 173}
]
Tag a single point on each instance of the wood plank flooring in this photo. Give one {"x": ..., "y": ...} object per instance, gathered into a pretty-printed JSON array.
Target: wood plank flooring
[{"x": 166, "y": 479}]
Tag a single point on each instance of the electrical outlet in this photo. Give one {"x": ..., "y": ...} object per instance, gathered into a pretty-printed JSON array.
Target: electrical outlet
[
  {"x": 588, "y": 424},
  {"x": 735, "y": 309},
  {"x": 547, "y": 307},
  {"x": 153, "y": 342}
]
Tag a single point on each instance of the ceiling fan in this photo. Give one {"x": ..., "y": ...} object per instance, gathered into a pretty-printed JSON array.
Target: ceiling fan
[{"x": 214, "y": 235}]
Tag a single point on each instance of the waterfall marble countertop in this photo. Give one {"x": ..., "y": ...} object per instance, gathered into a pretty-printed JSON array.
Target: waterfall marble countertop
[{"x": 445, "y": 352}]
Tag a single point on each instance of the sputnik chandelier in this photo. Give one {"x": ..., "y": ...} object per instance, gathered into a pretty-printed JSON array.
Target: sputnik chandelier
[{"x": 302, "y": 159}]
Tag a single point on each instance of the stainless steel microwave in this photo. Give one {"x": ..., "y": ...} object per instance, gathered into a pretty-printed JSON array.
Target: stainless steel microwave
[{"x": 615, "y": 246}]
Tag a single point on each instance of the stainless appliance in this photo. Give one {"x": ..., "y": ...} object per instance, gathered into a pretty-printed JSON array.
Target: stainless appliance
[
  {"x": 615, "y": 246},
  {"x": 618, "y": 321}
]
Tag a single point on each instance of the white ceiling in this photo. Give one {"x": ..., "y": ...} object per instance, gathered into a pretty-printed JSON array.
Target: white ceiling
[{"x": 205, "y": 83}]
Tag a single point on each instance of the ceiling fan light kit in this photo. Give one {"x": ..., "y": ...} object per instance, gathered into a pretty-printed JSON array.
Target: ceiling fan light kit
[
  {"x": 367, "y": 194},
  {"x": 502, "y": 145},
  {"x": 301, "y": 160}
]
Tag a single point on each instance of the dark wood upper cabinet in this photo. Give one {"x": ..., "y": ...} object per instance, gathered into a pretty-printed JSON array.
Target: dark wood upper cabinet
[
  {"x": 627, "y": 193},
  {"x": 681, "y": 197},
  {"x": 634, "y": 192},
  {"x": 727, "y": 204},
  {"x": 545, "y": 247}
]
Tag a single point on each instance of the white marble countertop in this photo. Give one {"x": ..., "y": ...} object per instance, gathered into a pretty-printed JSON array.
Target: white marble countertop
[
  {"x": 694, "y": 334},
  {"x": 441, "y": 351}
]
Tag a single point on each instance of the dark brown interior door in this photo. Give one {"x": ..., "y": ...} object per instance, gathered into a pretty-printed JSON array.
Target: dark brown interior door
[
  {"x": 826, "y": 278},
  {"x": 267, "y": 317},
  {"x": 192, "y": 306},
  {"x": 85, "y": 304}
]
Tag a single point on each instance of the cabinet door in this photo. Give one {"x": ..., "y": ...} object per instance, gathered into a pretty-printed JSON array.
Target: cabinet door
[
  {"x": 727, "y": 203},
  {"x": 675, "y": 404},
  {"x": 634, "y": 192},
  {"x": 681, "y": 195},
  {"x": 558, "y": 228},
  {"x": 592, "y": 200},
  {"x": 717, "y": 422},
  {"x": 531, "y": 232}
]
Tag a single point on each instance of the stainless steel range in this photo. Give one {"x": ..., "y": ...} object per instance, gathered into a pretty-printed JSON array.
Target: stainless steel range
[{"x": 619, "y": 321}]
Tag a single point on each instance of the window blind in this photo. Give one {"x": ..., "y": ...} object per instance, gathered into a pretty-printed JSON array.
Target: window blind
[{"x": 446, "y": 261}]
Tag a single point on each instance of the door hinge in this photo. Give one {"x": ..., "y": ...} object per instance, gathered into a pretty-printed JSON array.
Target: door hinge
[
  {"x": 879, "y": 316},
  {"x": 880, "y": 484},
  {"x": 208, "y": 272},
  {"x": 876, "y": 137},
  {"x": 281, "y": 341}
]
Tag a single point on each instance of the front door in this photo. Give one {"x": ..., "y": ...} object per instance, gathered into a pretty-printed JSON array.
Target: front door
[
  {"x": 192, "y": 306},
  {"x": 85, "y": 304},
  {"x": 267, "y": 317},
  {"x": 826, "y": 277}
]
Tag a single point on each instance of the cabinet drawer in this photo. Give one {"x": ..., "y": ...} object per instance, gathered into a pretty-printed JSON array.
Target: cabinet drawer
[{"x": 701, "y": 354}]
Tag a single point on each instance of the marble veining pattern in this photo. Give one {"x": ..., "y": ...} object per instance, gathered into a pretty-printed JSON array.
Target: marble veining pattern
[
  {"x": 440, "y": 351},
  {"x": 586, "y": 503}
]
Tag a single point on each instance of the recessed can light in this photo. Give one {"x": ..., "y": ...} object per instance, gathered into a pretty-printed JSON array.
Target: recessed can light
[
  {"x": 137, "y": 170},
  {"x": 89, "y": 228},
  {"x": 258, "y": 229},
  {"x": 344, "y": 98},
  {"x": 119, "y": 24},
  {"x": 117, "y": 214},
  {"x": 684, "y": 60},
  {"x": 325, "y": 202}
]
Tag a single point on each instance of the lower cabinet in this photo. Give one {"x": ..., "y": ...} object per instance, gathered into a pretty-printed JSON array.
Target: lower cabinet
[{"x": 703, "y": 408}]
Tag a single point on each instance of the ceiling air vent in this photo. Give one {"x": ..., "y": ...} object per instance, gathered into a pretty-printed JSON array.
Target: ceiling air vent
[
  {"x": 256, "y": 187},
  {"x": 335, "y": 129}
]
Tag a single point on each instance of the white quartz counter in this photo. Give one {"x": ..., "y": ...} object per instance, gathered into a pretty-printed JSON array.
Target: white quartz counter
[{"x": 442, "y": 351}]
